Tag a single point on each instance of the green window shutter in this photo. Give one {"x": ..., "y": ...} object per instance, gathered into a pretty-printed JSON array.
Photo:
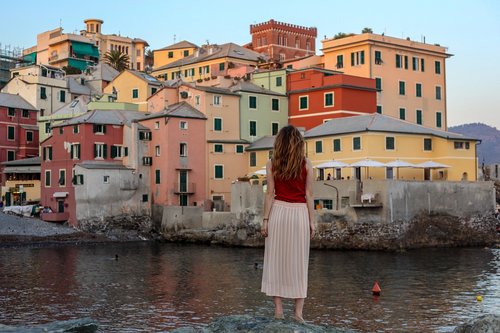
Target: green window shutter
[
  {"x": 414, "y": 62},
  {"x": 186, "y": 53},
  {"x": 419, "y": 117},
  {"x": 329, "y": 99},
  {"x": 253, "y": 128},
  {"x": 207, "y": 69},
  {"x": 135, "y": 93},
  {"x": 378, "y": 83},
  {"x": 274, "y": 128},
  {"x": 253, "y": 159},
  {"x": 356, "y": 143},
  {"x": 50, "y": 153},
  {"x": 62, "y": 96},
  {"x": 104, "y": 150},
  {"x": 303, "y": 102},
  {"x": 418, "y": 89},
  {"x": 319, "y": 146},
  {"x": 336, "y": 145},
  {"x": 94, "y": 128},
  {"x": 125, "y": 151},
  {"x": 71, "y": 151},
  {"x": 398, "y": 61},
  {"x": 402, "y": 113},
  {"x": 44, "y": 151},
  {"x": 221, "y": 66},
  {"x": 438, "y": 93},
  {"x": 29, "y": 136},
  {"x": 78, "y": 151},
  {"x": 141, "y": 135},
  {"x": 157, "y": 176},
  {"x": 437, "y": 67},
  {"x": 401, "y": 87},
  {"x": 219, "y": 148},
  {"x": 113, "y": 151},
  {"x": 362, "y": 57},
  {"x": 239, "y": 149},
  {"x": 427, "y": 144},
  {"x": 47, "y": 178},
  {"x": 352, "y": 58},
  {"x": 406, "y": 62},
  {"x": 379, "y": 109},
  {"x": 11, "y": 133},
  {"x": 219, "y": 172},
  {"x": 252, "y": 102},
  {"x": 422, "y": 63},
  {"x": 278, "y": 81},
  {"x": 217, "y": 124},
  {"x": 104, "y": 129},
  {"x": 438, "y": 119},
  {"x": 389, "y": 143},
  {"x": 275, "y": 104},
  {"x": 43, "y": 93},
  {"x": 170, "y": 54},
  {"x": 95, "y": 150}
]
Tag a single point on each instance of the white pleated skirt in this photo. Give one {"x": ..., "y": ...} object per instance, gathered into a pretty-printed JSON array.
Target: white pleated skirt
[{"x": 286, "y": 256}]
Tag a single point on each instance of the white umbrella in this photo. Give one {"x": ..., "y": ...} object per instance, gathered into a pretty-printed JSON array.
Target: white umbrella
[
  {"x": 332, "y": 164},
  {"x": 368, "y": 164},
  {"x": 262, "y": 171},
  {"x": 432, "y": 165},
  {"x": 399, "y": 164}
]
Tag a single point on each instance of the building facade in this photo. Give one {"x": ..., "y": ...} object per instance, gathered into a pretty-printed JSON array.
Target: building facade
[
  {"x": 411, "y": 76},
  {"x": 22, "y": 181},
  {"x": 172, "y": 53}
]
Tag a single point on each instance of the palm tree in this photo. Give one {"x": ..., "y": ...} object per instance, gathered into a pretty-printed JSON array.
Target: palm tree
[{"x": 117, "y": 59}]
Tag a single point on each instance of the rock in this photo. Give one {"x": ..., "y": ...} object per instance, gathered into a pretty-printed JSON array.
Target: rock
[
  {"x": 249, "y": 324},
  {"x": 85, "y": 325},
  {"x": 489, "y": 323}
]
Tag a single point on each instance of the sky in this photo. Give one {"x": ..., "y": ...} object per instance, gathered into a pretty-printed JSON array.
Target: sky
[{"x": 469, "y": 29}]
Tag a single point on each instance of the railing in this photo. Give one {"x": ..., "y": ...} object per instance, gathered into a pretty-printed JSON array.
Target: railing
[
  {"x": 184, "y": 188},
  {"x": 55, "y": 217}
]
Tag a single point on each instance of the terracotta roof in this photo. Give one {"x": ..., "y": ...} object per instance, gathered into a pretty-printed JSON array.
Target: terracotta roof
[{"x": 180, "y": 45}]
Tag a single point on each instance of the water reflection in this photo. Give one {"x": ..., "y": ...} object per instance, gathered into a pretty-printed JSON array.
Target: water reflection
[{"x": 157, "y": 287}]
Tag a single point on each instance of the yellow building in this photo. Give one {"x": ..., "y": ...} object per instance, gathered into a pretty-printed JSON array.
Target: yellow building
[
  {"x": 135, "y": 48},
  {"x": 133, "y": 87},
  {"x": 211, "y": 61},
  {"x": 22, "y": 181},
  {"x": 172, "y": 53},
  {"x": 410, "y": 75},
  {"x": 383, "y": 139}
]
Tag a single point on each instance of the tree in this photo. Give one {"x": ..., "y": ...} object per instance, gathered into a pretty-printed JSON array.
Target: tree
[
  {"x": 342, "y": 35},
  {"x": 367, "y": 30},
  {"x": 117, "y": 60},
  {"x": 71, "y": 70}
]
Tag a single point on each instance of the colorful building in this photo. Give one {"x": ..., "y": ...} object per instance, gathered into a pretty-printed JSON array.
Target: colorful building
[
  {"x": 172, "y": 53},
  {"x": 274, "y": 80},
  {"x": 133, "y": 87},
  {"x": 177, "y": 155},
  {"x": 135, "y": 48},
  {"x": 318, "y": 95},
  {"x": 410, "y": 75},
  {"x": 22, "y": 181},
  {"x": 282, "y": 41},
  {"x": 211, "y": 61}
]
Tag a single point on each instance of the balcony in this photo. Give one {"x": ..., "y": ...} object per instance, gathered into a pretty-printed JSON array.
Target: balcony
[
  {"x": 55, "y": 217},
  {"x": 184, "y": 188}
]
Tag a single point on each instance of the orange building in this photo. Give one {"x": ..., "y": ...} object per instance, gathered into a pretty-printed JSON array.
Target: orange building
[{"x": 318, "y": 95}]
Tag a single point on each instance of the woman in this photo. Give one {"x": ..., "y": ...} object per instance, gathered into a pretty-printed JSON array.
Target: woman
[{"x": 288, "y": 222}]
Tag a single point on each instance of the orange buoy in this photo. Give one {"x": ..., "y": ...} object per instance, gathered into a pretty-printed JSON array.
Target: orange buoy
[{"x": 376, "y": 289}]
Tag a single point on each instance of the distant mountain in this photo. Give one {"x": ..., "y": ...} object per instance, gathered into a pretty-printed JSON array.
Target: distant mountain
[{"x": 489, "y": 149}]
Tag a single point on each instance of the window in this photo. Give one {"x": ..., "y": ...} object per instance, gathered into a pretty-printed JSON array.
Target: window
[
  {"x": 157, "y": 176},
  {"x": 253, "y": 159},
  {"x": 48, "y": 128},
  {"x": 11, "y": 112},
  {"x": 378, "y": 58},
  {"x": 389, "y": 143},
  {"x": 75, "y": 151},
  {"x": 415, "y": 63},
  {"x": 118, "y": 151},
  {"x": 438, "y": 92},
  {"x": 77, "y": 179},
  {"x": 458, "y": 145},
  {"x": 401, "y": 87},
  {"x": 99, "y": 129},
  {"x": 356, "y": 143},
  {"x": 437, "y": 67},
  {"x": 239, "y": 149},
  {"x": 75, "y": 129},
  {"x": 62, "y": 177},
  {"x": 183, "y": 125},
  {"x": 185, "y": 53},
  {"x": 217, "y": 100},
  {"x": 11, "y": 133},
  {"x": 378, "y": 83},
  {"x": 157, "y": 125},
  {"x": 398, "y": 60},
  {"x": 61, "y": 130},
  {"x": 105, "y": 179},
  {"x": 100, "y": 150},
  {"x": 340, "y": 61},
  {"x": 197, "y": 100},
  {"x": 29, "y": 136},
  {"x": 379, "y": 109},
  {"x": 207, "y": 69},
  {"x": 427, "y": 144},
  {"x": 153, "y": 91},
  {"x": 170, "y": 54},
  {"x": 419, "y": 117},
  {"x": 418, "y": 90},
  {"x": 135, "y": 93},
  {"x": 275, "y": 104},
  {"x": 218, "y": 124},
  {"x": 26, "y": 113},
  {"x": 252, "y": 102},
  {"x": 218, "y": 148},
  {"x": 438, "y": 119},
  {"x": 303, "y": 102},
  {"x": 145, "y": 135},
  {"x": 221, "y": 66},
  {"x": 402, "y": 113},
  {"x": 422, "y": 65},
  {"x": 144, "y": 198},
  {"x": 279, "y": 81},
  {"x": 62, "y": 96},
  {"x": 357, "y": 58},
  {"x": 219, "y": 171},
  {"x": 253, "y": 128},
  {"x": 138, "y": 53},
  {"x": 467, "y": 145},
  {"x": 336, "y": 145},
  {"x": 157, "y": 150},
  {"x": 319, "y": 147},
  {"x": 274, "y": 128},
  {"x": 47, "y": 178},
  {"x": 329, "y": 99},
  {"x": 43, "y": 93},
  {"x": 11, "y": 155}
]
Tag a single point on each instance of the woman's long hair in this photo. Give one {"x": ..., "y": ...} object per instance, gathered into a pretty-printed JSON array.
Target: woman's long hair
[{"x": 288, "y": 155}]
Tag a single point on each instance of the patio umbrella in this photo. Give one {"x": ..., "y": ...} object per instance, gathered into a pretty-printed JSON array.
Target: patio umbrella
[
  {"x": 367, "y": 163},
  {"x": 332, "y": 164},
  {"x": 432, "y": 165},
  {"x": 261, "y": 172},
  {"x": 399, "y": 164}
]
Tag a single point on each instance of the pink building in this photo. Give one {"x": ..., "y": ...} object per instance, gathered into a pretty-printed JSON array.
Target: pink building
[
  {"x": 18, "y": 129},
  {"x": 178, "y": 155}
]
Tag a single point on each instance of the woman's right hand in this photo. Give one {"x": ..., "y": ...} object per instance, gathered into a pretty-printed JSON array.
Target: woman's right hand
[{"x": 263, "y": 229}]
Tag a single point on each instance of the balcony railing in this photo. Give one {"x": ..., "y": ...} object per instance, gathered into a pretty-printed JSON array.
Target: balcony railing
[{"x": 184, "y": 188}]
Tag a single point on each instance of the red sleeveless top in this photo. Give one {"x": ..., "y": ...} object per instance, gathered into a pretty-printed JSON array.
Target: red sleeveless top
[{"x": 291, "y": 190}]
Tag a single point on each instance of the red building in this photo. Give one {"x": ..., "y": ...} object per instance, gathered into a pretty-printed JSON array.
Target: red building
[
  {"x": 18, "y": 129},
  {"x": 318, "y": 95},
  {"x": 283, "y": 41},
  {"x": 94, "y": 136}
]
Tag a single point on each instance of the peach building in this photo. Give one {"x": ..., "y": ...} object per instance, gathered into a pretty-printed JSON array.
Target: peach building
[
  {"x": 174, "y": 52},
  {"x": 410, "y": 75}
]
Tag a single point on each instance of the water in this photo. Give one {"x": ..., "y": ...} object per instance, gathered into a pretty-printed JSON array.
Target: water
[{"x": 157, "y": 287}]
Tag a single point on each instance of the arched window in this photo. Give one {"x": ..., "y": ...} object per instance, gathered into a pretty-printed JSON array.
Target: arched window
[
  {"x": 297, "y": 42},
  {"x": 285, "y": 40},
  {"x": 279, "y": 39},
  {"x": 308, "y": 45}
]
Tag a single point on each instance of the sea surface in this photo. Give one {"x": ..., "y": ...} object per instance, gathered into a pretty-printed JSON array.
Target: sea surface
[{"x": 154, "y": 287}]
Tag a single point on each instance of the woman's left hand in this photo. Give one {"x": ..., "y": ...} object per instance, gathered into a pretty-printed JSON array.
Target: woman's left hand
[{"x": 312, "y": 229}]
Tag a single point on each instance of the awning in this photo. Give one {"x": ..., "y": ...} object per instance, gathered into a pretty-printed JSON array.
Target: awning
[
  {"x": 85, "y": 49},
  {"x": 60, "y": 194},
  {"x": 80, "y": 64},
  {"x": 30, "y": 58}
]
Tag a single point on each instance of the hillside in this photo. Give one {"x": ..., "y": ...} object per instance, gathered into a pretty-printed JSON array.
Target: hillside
[{"x": 489, "y": 149}]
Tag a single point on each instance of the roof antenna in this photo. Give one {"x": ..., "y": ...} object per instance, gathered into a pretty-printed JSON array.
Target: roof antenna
[{"x": 175, "y": 38}]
